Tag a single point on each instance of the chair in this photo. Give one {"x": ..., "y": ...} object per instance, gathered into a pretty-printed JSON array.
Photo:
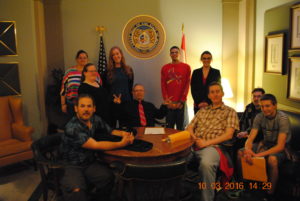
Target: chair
[
  {"x": 159, "y": 182},
  {"x": 47, "y": 157},
  {"x": 15, "y": 137}
]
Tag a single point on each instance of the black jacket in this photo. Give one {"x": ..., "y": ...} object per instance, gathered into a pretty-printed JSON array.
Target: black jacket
[
  {"x": 200, "y": 91},
  {"x": 129, "y": 113}
]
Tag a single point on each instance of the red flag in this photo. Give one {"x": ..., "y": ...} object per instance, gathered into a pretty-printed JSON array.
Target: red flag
[{"x": 183, "y": 50}]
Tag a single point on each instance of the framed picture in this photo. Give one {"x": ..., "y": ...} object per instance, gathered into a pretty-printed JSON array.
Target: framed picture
[
  {"x": 294, "y": 79},
  {"x": 8, "y": 44},
  {"x": 9, "y": 79},
  {"x": 295, "y": 27},
  {"x": 274, "y": 53}
]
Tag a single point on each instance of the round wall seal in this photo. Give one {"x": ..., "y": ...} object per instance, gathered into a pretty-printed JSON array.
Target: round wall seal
[{"x": 144, "y": 36}]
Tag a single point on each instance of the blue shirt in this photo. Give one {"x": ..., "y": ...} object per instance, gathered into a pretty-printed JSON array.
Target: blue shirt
[{"x": 76, "y": 134}]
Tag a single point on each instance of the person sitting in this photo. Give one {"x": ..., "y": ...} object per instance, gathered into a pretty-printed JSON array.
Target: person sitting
[
  {"x": 250, "y": 112},
  {"x": 211, "y": 126},
  {"x": 247, "y": 119},
  {"x": 275, "y": 127},
  {"x": 78, "y": 151},
  {"x": 139, "y": 113}
]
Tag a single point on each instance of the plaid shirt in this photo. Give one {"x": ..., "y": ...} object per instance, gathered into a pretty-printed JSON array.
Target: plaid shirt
[
  {"x": 210, "y": 123},
  {"x": 76, "y": 134}
]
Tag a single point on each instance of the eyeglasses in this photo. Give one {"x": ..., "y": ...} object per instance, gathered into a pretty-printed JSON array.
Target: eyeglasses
[{"x": 206, "y": 58}]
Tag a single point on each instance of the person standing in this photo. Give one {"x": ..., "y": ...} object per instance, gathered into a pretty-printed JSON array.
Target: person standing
[
  {"x": 91, "y": 86},
  {"x": 119, "y": 80},
  {"x": 71, "y": 82},
  {"x": 175, "y": 81},
  {"x": 201, "y": 78}
]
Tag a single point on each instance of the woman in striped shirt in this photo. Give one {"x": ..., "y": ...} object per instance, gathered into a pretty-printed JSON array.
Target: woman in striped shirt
[{"x": 71, "y": 82}]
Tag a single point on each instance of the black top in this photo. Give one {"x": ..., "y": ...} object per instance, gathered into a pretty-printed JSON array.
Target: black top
[
  {"x": 120, "y": 84},
  {"x": 130, "y": 117},
  {"x": 200, "y": 91},
  {"x": 247, "y": 120},
  {"x": 102, "y": 100}
]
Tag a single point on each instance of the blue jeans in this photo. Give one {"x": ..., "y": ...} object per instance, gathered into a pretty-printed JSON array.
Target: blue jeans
[{"x": 209, "y": 160}]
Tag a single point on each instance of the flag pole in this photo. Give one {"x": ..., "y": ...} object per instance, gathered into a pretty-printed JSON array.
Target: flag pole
[{"x": 102, "y": 62}]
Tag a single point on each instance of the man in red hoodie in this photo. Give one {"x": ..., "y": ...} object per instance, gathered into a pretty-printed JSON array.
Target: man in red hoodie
[{"x": 175, "y": 81}]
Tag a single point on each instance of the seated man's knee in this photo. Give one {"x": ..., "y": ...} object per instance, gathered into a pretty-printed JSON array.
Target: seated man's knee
[
  {"x": 206, "y": 164},
  {"x": 272, "y": 161}
]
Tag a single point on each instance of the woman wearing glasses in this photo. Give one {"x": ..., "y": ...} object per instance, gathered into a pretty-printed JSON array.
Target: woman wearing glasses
[
  {"x": 90, "y": 85},
  {"x": 201, "y": 78}
]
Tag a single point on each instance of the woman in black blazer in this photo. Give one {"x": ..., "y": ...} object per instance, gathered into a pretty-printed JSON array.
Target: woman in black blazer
[{"x": 201, "y": 78}]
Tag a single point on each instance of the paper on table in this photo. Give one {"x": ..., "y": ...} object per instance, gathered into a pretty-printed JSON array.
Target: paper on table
[
  {"x": 257, "y": 171},
  {"x": 154, "y": 130}
]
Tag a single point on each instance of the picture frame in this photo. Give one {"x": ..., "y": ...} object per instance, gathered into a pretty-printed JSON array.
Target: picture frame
[
  {"x": 294, "y": 79},
  {"x": 274, "y": 53},
  {"x": 8, "y": 42},
  {"x": 9, "y": 79},
  {"x": 295, "y": 27}
]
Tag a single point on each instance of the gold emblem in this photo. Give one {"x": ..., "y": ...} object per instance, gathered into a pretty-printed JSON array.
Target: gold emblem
[{"x": 144, "y": 36}]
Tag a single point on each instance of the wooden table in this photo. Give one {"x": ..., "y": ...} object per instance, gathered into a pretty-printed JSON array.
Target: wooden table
[
  {"x": 136, "y": 181},
  {"x": 161, "y": 151}
]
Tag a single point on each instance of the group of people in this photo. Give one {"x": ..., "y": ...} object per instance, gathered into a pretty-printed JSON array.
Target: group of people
[{"x": 116, "y": 98}]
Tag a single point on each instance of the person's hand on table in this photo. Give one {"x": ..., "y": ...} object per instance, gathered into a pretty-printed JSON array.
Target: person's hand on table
[{"x": 127, "y": 139}]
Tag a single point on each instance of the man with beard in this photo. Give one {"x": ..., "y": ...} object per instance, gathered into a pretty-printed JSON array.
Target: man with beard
[{"x": 79, "y": 147}]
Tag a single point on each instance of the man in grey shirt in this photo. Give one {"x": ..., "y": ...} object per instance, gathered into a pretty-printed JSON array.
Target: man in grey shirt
[{"x": 275, "y": 127}]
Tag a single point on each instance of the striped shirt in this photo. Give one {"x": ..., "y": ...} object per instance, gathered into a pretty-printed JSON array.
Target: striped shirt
[
  {"x": 209, "y": 123},
  {"x": 71, "y": 82}
]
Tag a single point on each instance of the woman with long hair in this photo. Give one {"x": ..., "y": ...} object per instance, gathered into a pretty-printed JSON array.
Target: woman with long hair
[
  {"x": 119, "y": 79},
  {"x": 90, "y": 85}
]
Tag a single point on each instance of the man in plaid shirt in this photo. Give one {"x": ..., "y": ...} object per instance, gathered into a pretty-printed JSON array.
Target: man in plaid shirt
[{"x": 211, "y": 126}]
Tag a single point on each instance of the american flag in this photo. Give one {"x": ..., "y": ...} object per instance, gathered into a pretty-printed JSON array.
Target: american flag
[{"x": 102, "y": 59}]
